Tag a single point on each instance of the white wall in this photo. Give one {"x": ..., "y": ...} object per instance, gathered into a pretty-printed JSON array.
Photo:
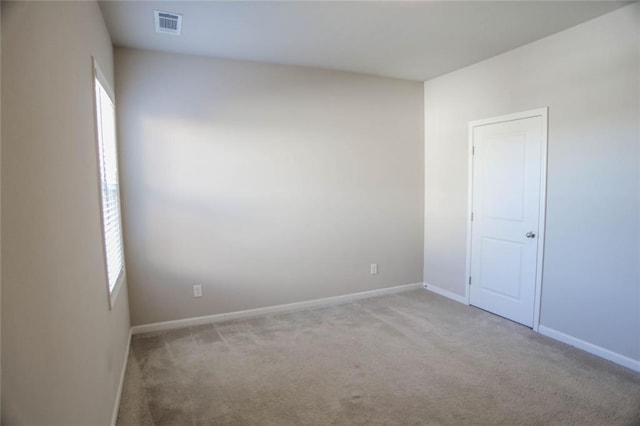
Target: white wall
[
  {"x": 62, "y": 349},
  {"x": 267, "y": 184},
  {"x": 589, "y": 77}
]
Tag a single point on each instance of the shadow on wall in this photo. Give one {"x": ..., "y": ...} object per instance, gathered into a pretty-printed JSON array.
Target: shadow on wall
[
  {"x": 197, "y": 193},
  {"x": 212, "y": 209}
]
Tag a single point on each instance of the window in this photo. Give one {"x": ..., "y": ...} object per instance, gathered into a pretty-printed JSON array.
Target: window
[{"x": 109, "y": 183}]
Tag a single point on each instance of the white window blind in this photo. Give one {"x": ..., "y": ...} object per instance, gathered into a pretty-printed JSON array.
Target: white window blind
[{"x": 110, "y": 186}]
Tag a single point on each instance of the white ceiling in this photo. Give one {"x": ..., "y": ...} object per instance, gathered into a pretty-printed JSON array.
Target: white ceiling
[{"x": 403, "y": 39}]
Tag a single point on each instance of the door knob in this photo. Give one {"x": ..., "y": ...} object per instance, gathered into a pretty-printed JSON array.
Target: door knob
[{"x": 530, "y": 235}]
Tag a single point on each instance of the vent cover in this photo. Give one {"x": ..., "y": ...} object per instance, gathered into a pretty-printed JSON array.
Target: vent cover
[{"x": 168, "y": 22}]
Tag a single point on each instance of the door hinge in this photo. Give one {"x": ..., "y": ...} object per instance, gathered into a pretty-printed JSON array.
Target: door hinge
[
  {"x": 473, "y": 150},
  {"x": 469, "y": 280},
  {"x": 471, "y": 216}
]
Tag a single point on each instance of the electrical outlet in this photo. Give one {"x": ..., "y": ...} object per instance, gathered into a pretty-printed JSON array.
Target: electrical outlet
[
  {"x": 197, "y": 290},
  {"x": 374, "y": 268}
]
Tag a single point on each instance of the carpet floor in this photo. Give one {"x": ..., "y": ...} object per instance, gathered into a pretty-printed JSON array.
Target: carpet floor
[{"x": 412, "y": 358}]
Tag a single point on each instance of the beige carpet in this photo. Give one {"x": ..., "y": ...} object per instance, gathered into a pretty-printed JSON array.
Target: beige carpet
[{"x": 413, "y": 358}]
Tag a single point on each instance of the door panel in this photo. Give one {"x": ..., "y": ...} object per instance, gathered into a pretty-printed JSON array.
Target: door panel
[
  {"x": 507, "y": 179},
  {"x": 507, "y": 166},
  {"x": 501, "y": 266}
]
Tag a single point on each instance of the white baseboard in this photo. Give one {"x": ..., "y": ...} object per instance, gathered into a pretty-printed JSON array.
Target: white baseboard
[
  {"x": 446, "y": 293},
  {"x": 116, "y": 407},
  {"x": 250, "y": 313},
  {"x": 591, "y": 348}
]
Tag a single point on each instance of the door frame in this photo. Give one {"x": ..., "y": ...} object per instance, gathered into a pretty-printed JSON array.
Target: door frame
[{"x": 539, "y": 112}]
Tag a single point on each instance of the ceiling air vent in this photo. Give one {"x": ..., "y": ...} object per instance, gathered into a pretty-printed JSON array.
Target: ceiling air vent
[{"x": 168, "y": 22}]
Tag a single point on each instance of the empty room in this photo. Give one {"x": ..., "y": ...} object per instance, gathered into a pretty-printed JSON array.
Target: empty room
[{"x": 319, "y": 213}]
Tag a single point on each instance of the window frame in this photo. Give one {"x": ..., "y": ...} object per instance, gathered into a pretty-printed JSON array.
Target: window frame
[{"x": 99, "y": 78}]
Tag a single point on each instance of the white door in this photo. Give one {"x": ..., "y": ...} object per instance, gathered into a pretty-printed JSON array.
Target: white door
[{"x": 507, "y": 164}]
